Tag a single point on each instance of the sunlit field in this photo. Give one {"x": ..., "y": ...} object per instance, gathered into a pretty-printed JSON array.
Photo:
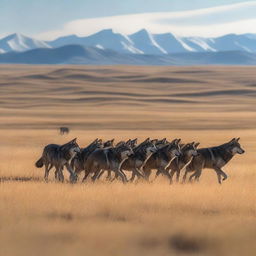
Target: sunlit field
[{"x": 209, "y": 105}]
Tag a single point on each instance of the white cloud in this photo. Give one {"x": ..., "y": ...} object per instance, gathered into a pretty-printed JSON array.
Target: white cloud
[{"x": 236, "y": 18}]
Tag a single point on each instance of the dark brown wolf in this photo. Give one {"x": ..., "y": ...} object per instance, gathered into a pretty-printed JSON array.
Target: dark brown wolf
[{"x": 213, "y": 158}]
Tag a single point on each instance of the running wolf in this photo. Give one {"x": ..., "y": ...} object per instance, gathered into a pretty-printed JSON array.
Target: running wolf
[
  {"x": 162, "y": 158},
  {"x": 108, "y": 159},
  {"x": 58, "y": 156},
  {"x": 213, "y": 158},
  {"x": 136, "y": 161},
  {"x": 188, "y": 151}
]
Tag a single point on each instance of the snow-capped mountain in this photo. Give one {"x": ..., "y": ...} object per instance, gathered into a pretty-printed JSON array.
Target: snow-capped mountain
[
  {"x": 141, "y": 42},
  {"x": 19, "y": 43},
  {"x": 105, "y": 39},
  {"x": 146, "y": 43}
]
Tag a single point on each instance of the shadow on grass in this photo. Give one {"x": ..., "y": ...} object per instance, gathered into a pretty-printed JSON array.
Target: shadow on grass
[{"x": 19, "y": 179}]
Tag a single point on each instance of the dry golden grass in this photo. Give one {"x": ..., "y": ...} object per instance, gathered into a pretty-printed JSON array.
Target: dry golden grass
[{"x": 133, "y": 219}]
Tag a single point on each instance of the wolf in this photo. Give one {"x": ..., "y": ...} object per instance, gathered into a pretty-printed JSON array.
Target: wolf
[
  {"x": 188, "y": 151},
  {"x": 64, "y": 130},
  {"x": 140, "y": 155},
  {"x": 78, "y": 162},
  {"x": 58, "y": 156},
  {"x": 162, "y": 158},
  {"x": 108, "y": 159},
  {"x": 213, "y": 158}
]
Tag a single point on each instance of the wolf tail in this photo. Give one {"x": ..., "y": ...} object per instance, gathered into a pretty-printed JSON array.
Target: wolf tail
[{"x": 39, "y": 163}]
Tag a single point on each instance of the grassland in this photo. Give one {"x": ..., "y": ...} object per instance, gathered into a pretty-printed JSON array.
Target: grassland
[{"x": 206, "y": 104}]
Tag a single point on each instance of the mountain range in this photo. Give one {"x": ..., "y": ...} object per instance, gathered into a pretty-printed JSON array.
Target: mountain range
[{"x": 142, "y": 47}]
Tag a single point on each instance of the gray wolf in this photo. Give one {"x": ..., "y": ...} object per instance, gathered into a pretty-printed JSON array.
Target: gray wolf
[
  {"x": 213, "y": 158},
  {"x": 58, "y": 156},
  {"x": 162, "y": 158},
  {"x": 108, "y": 159},
  {"x": 79, "y": 161},
  {"x": 188, "y": 151},
  {"x": 140, "y": 155}
]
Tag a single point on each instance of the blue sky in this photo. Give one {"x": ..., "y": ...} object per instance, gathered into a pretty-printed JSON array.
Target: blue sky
[{"x": 37, "y": 17}]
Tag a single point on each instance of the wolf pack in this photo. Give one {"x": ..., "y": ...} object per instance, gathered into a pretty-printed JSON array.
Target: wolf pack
[{"x": 137, "y": 160}]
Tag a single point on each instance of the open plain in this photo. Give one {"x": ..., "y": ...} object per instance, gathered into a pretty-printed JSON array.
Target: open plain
[{"x": 207, "y": 104}]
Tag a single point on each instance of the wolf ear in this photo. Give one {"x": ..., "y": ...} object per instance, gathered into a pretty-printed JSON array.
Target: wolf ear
[
  {"x": 178, "y": 141},
  {"x": 164, "y": 140},
  {"x": 154, "y": 141},
  {"x": 112, "y": 140},
  {"x": 173, "y": 141},
  {"x": 100, "y": 140},
  {"x": 197, "y": 144},
  {"x": 234, "y": 139},
  {"x": 135, "y": 140},
  {"x": 238, "y": 139},
  {"x": 73, "y": 141}
]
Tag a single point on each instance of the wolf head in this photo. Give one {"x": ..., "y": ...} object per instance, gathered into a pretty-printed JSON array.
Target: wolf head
[
  {"x": 234, "y": 147},
  {"x": 190, "y": 149},
  {"x": 161, "y": 143},
  {"x": 124, "y": 150},
  {"x": 173, "y": 148},
  {"x": 71, "y": 147},
  {"x": 108, "y": 143},
  {"x": 150, "y": 147}
]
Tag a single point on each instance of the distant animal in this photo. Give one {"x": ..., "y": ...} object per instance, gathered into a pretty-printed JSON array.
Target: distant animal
[
  {"x": 64, "y": 130},
  {"x": 59, "y": 156},
  {"x": 213, "y": 158},
  {"x": 108, "y": 159}
]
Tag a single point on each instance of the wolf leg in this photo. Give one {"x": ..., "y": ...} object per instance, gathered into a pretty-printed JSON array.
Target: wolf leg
[
  {"x": 133, "y": 177},
  {"x": 86, "y": 174},
  {"x": 220, "y": 174},
  {"x": 109, "y": 176},
  {"x": 100, "y": 174},
  {"x": 195, "y": 175},
  {"x": 121, "y": 175},
  {"x": 171, "y": 174},
  {"x": 47, "y": 170},
  {"x": 59, "y": 174},
  {"x": 96, "y": 174},
  {"x": 164, "y": 172},
  {"x": 177, "y": 176},
  {"x": 147, "y": 174},
  {"x": 73, "y": 176}
]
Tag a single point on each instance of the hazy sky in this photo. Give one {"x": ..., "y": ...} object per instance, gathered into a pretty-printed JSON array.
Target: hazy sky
[{"x": 51, "y": 18}]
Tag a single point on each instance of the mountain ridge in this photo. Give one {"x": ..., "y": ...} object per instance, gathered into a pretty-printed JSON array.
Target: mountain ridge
[{"x": 140, "y": 42}]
